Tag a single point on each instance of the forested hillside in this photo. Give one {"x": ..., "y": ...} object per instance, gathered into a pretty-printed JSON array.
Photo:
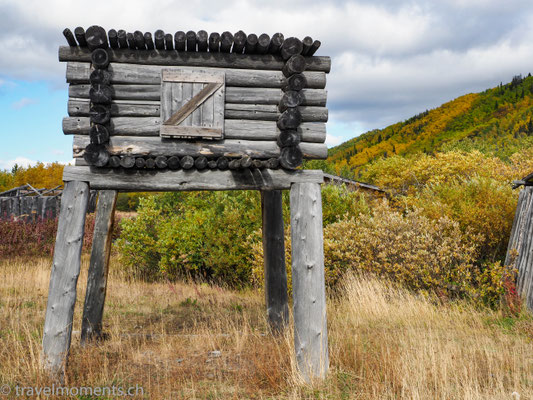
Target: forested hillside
[{"x": 498, "y": 121}]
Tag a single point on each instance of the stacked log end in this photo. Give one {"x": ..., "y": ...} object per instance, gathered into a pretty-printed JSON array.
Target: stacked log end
[
  {"x": 289, "y": 138},
  {"x": 175, "y": 163},
  {"x": 227, "y": 42},
  {"x": 100, "y": 94}
]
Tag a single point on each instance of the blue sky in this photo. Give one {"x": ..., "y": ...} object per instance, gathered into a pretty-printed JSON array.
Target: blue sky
[{"x": 391, "y": 59}]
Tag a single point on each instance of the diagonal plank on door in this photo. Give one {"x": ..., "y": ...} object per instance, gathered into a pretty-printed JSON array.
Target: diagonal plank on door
[{"x": 193, "y": 104}]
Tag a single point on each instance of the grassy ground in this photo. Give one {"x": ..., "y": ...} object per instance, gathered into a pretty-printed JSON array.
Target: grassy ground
[{"x": 384, "y": 343}]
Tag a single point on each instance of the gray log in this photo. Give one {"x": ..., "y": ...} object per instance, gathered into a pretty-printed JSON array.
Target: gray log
[
  {"x": 294, "y": 65},
  {"x": 251, "y": 43},
  {"x": 151, "y": 74},
  {"x": 307, "y": 43},
  {"x": 314, "y": 47},
  {"x": 159, "y": 40},
  {"x": 164, "y": 57},
  {"x": 112, "y": 35},
  {"x": 100, "y": 77},
  {"x": 95, "y": 154},
  {"x": 154, "y": 146},
  {"x": 239, "y": 41},
  {"x": 161, "y": 162},
  {"x": 276, "y": 295},
  {"x": 169, "y": 42},
  {"x": 149, "y": 41},
  {"x": 291, "y": 157},
  {"x": 98, "y": 113},
  {"x": 93, "y": 309},
  {"x": 226, "y": 41},
  {"x": 140, "y": 108},
  {"x": 168, "y": 180},
  {"x": 131, "y": 41},
  {"x": 140, "y": 43},
  {"x": 127, "y": 161},
  {"x": 99, "y": 134},
  {"x": 290, "y": 99},
  {"x": 122, "y": 39},
  {"x": 187, "y": 162},
  {"x": 99, "y": 58},
  {"x": 70, "y": 37},
  {"x": 243, "y": 95},
  {"x": 308, "y": 281},
  {"x": 263, "y": 43},
  {"x": 114, "y": 162},
  {"x": 174, "y": 162},
  {"x": 96, "y": 37},
  {"x": 140, "y": 162},
  {"x": 314, "y": 132},
  {"x": 201, "y": 39},
  {"x": 214, "y": 42},
  {"x": 64, "y": 277},
  {"x": 296, "y": 82},
  {"x": 291, "y": 46},
  {"x": 191, "y": 41},
  {"x": 180, "y": 40},
  {"x": 276, "y": 43},
  {"x": 79, "y": 32},
  {"x": 200, "y": 162}
]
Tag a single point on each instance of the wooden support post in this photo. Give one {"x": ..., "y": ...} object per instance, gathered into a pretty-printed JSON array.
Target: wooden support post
[
  {"x": 64, "y": 277},
  {"x": 93, "y": 309},
  {"x": 274, "y": 255},
  {"x": 308, "y": 285}
]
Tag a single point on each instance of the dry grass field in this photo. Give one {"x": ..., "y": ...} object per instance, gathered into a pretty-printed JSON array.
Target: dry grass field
[{"x": 194, "y": 341}]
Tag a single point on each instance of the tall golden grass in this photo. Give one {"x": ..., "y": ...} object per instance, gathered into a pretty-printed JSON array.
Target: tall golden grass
[{"x": 385, "y": 343}]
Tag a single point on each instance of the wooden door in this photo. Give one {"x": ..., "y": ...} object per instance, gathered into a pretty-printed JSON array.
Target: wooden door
[{"x": 192, "y": 103}]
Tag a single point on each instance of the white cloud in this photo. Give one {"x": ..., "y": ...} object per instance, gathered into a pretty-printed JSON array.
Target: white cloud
[
  {"x": 20, "y": 161},
  {"x": 390, "y": 58},
  {"x": 332, "y": 140},
  {"x": 25, "y": 101}
]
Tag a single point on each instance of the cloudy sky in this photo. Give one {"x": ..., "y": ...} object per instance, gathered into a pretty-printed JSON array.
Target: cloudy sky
[{"x": 391, "y": 59}]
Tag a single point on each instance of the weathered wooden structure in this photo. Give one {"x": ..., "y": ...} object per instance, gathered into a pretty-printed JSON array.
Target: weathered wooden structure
[
  {"x": 520, "y": 249},
  {"x": 193, "y": 111},
  {"x": 30, "y": 204}
]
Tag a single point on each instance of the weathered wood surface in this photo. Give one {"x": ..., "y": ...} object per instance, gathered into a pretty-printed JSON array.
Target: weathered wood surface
[
  {"x": 276, "y": 295},
  {"x": 155, "y": 146},
  {"x": 64, "y": 277},
  {"x": 200, "y": 59},
  {"x": 168, "y": 180},
  {"x": 314, "y": 132},
  {"x": 29, "y": 208},
  {"x": 520, "y": 248},
  {"x": 146, "y": 108},
  {"x": 308, "y": 285},
  {"x": 240, "y": 95},
  {"x": 78, "y": 72},
  {"x": 93, "y": 309}
]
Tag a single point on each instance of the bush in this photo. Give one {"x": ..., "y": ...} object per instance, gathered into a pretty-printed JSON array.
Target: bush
[{"x": 19, "y": 238}]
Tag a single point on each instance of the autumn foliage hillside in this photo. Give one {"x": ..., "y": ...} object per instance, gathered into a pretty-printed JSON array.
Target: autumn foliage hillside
[
  {"x": 498, "y": 122},
  {"x": 39, "y": 176}
]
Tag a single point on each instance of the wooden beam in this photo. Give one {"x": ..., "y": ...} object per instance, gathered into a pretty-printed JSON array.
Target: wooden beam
[
  {"x": 180, "y": 180},
  {"x": 145, "y": 108},
  {"x": 79, "y": 72},
  {"x": 64, "y": 277},
  {"x": 313, "y": 132},
  {"x": 155, "y": 146},
  {"x": 240, "y": 95},
  {"x": 276, "y": 295},
  {"x": 199, "y": 59},
  {"x": 308, "y": 285},
  {"x": 93, "y": 309}
]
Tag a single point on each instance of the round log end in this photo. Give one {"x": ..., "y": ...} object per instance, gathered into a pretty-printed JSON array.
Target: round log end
[
  {"x": 291, "y": 157},
  {"x": 96, "y": 154},
  {"x": 100, "y": 58},
  {"x": 96, "y": 37}
]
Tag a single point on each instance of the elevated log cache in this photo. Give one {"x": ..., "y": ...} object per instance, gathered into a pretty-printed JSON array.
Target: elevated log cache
[{"x": 180, "y": 180}]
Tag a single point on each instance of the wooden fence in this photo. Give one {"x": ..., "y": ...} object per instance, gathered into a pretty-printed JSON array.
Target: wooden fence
[{"x": 31, "y": 204}]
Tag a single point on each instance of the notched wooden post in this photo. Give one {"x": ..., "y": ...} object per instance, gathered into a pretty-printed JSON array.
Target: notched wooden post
[
  {"x": 276, "y": 296},
  {"x": 93, "y": 308},
  {"x": 64, "y": 277},
  {"x": 308, "y": 285}
]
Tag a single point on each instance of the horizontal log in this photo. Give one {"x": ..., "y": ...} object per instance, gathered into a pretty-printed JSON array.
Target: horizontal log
[
  {"x": 199, "y": 59},
  {"x": 242, "y": 95},
  {"x": 155, "y": 146},
  {"x": 132, "y": 108},
  {"x": 168, "y": 180},
  {"x": 78, "y": 72},
  {"x": 314, "y": 132}
]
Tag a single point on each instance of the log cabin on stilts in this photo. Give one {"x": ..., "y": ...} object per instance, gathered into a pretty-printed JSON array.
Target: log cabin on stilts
[{"x": 194, "y": 111}]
